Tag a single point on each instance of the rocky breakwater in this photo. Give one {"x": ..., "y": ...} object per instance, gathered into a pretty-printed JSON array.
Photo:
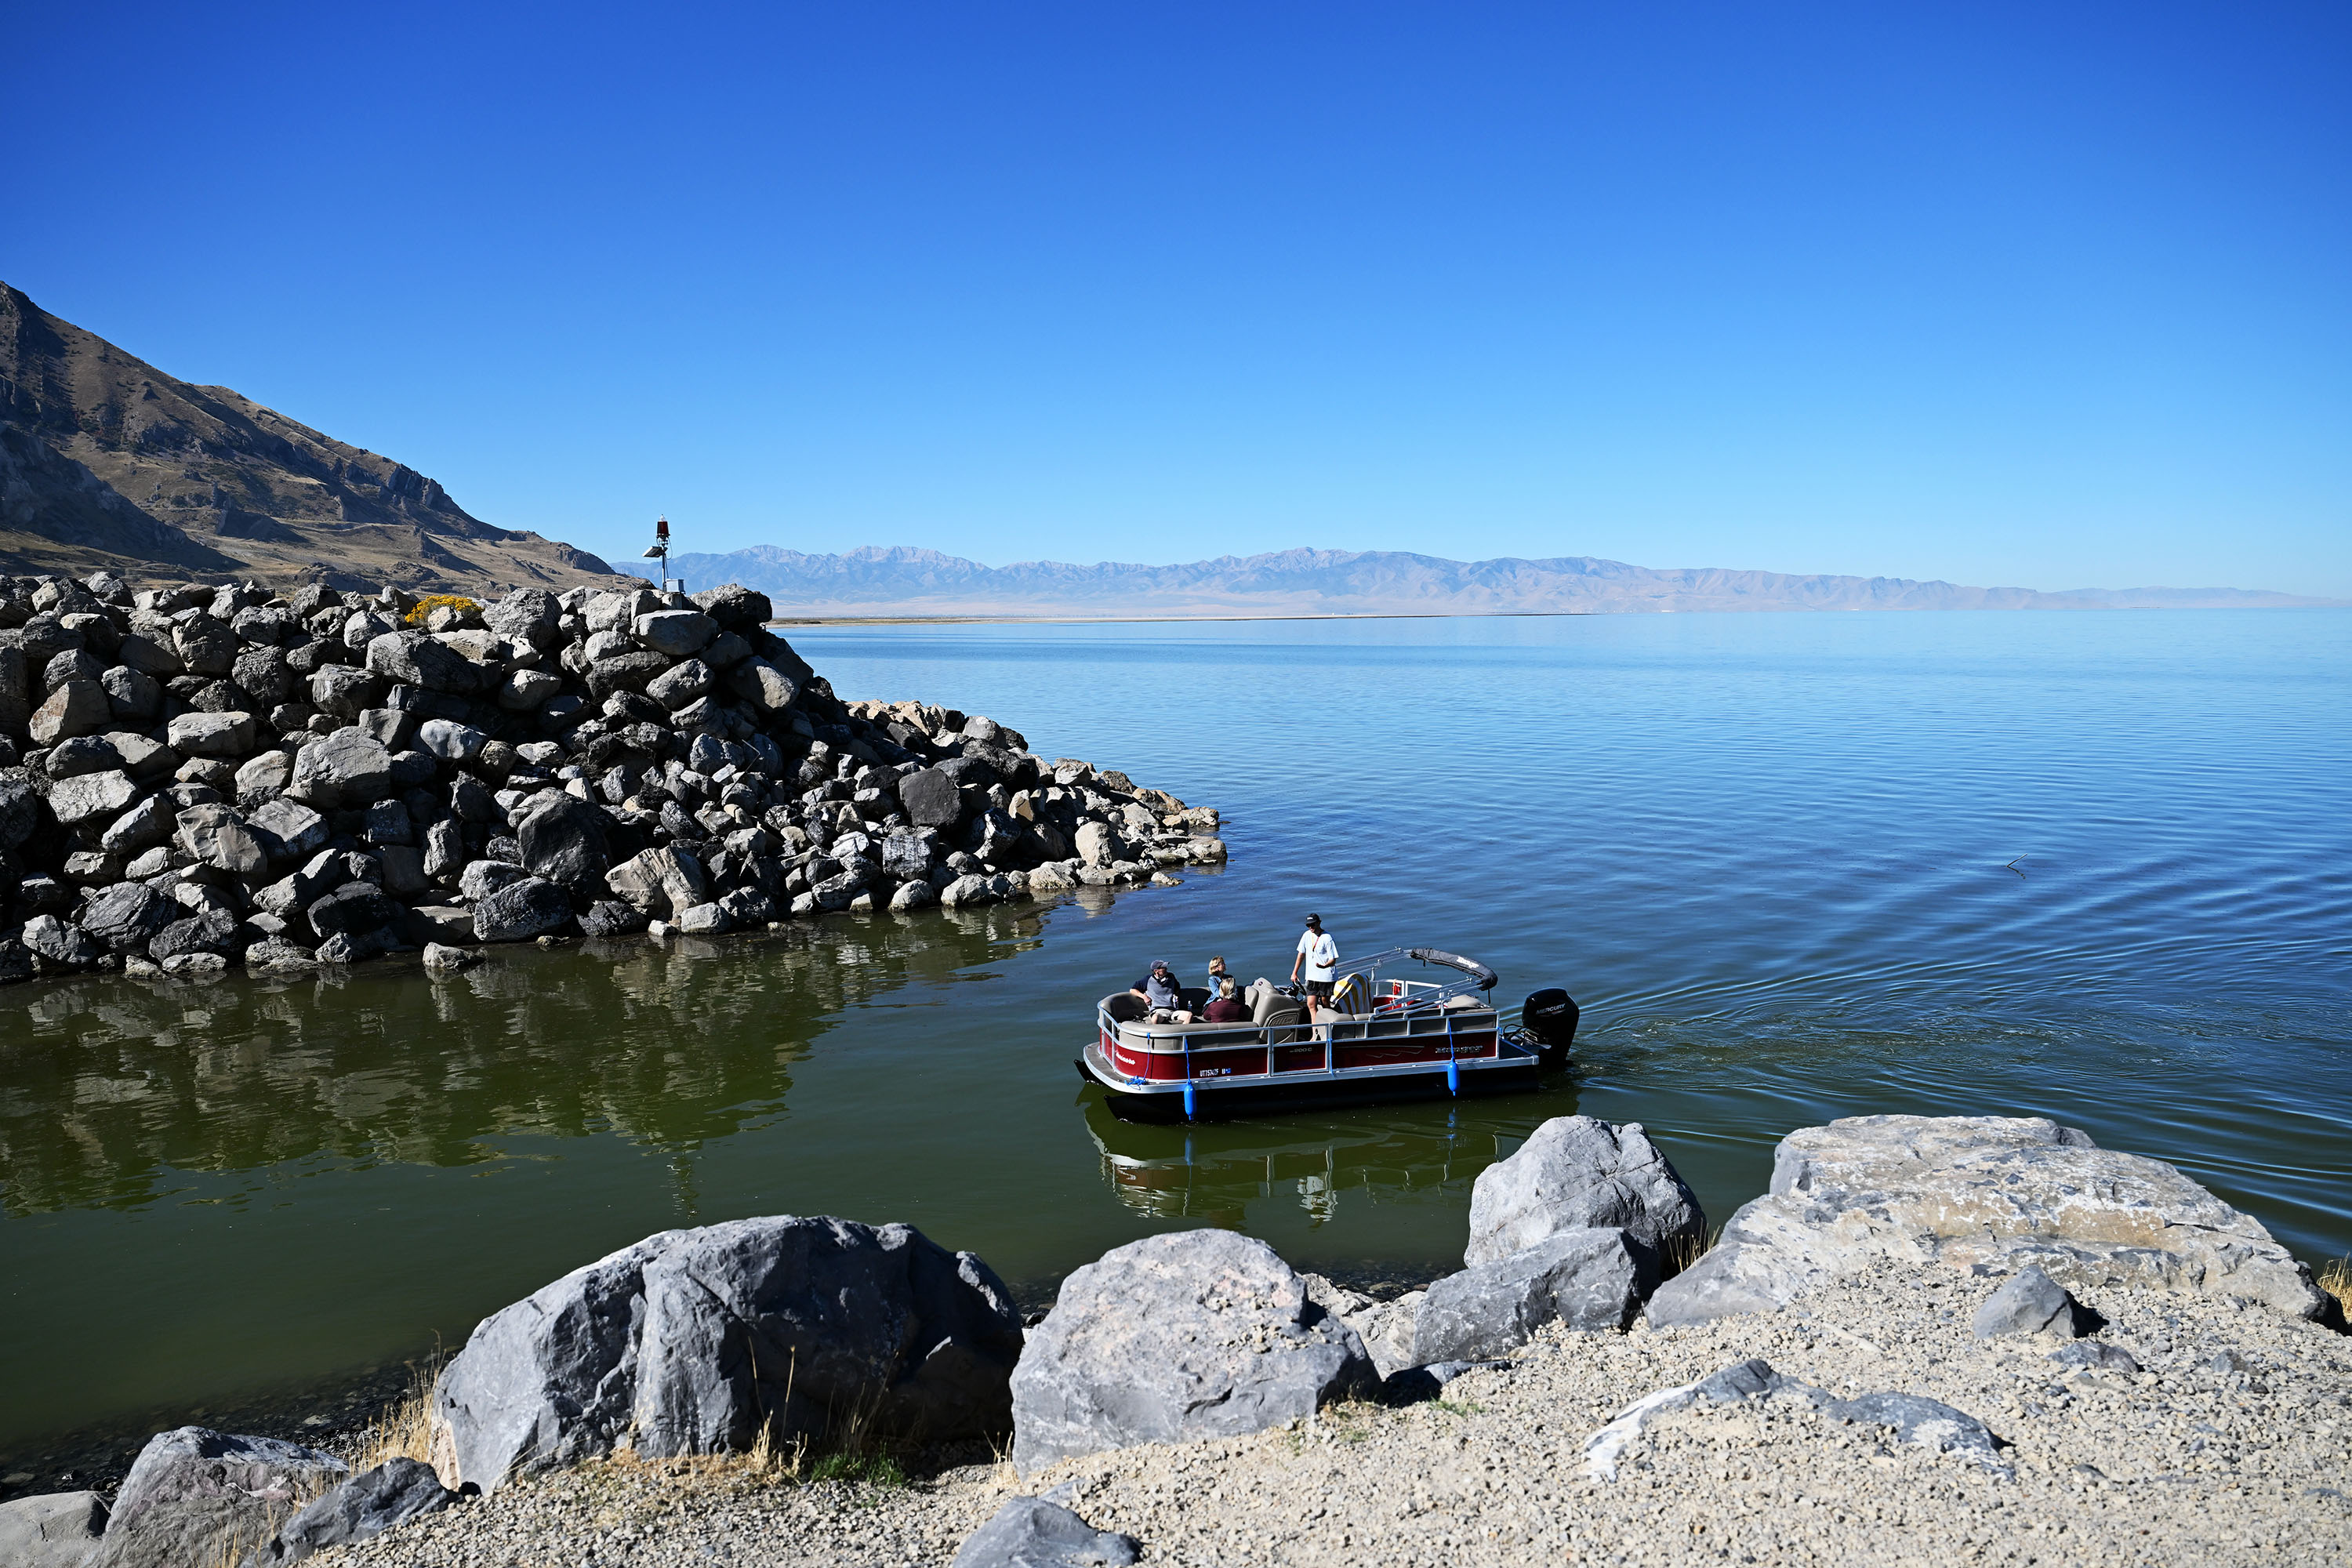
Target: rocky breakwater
[{"x": 197, "y": 777}]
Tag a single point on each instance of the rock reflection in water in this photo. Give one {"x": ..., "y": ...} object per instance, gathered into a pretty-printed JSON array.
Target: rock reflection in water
[
  {"x": 1211, "y": 1173},
  {"x": 110, "y": 1085}
]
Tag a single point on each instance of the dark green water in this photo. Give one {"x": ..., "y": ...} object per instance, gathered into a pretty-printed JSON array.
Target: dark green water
[{"x": 1771, "y": 855}]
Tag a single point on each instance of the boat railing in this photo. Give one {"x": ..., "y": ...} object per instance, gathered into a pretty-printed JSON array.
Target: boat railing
[{"x": 1420, "y": 1022}]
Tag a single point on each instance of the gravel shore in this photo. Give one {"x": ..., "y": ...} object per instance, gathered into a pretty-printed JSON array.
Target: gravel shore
[{"x": 2230, "y": 1446}]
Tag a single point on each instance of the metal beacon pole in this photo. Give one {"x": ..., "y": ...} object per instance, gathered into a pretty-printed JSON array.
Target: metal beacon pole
[{"x": 660, "y": 552}]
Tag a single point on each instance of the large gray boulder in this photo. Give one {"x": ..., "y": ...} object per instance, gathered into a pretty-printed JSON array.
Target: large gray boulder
[
  {"x": 55, "y": 1530},
  {"x": 674, "y": 633},
  {"x": 659, "y": 883},
  {"x": 227, "y": 735},
  {"x": 734, "y": 606},
  {"x": 86, "y": 798},
  {"x": 1575, "y": 1172},
  {"x": 348, "y": 768},
  {"x": 1592, "y": 1278},
  {"x": 768, "y": 690},
  {"x": 289, "y": 829},
  {"x": 196, "y": 1497},
  {"x": 1969, "y": 1191},
  {"x": 362, "y": 1508},
  {"x": 77, "y": 708},
  {"x": 527, "y": 616},
  {"x": 1030, "y": 1532},
  {"x": 418, "y": 658},
  {"x": 694, "y": 1340},
  {"x": 221, "y": 840},
  {"x": 1097, "y": 844},
  {"x": 1200, "y": 1334},
  {"x": 59, "y": 945},
  {"x": 530, "y": 907}
]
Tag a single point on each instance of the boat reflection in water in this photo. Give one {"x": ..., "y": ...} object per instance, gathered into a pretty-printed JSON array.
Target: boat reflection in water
[{"x": 1214, "y": 1173}]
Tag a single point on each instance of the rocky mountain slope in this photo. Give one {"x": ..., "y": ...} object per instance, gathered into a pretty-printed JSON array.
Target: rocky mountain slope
[
  {"x": 106, "y": 463},
  {"x": 899, "y": 580}
]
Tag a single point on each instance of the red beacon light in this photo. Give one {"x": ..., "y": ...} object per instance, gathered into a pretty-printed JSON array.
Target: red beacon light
[{"x": 660, "y": 552}]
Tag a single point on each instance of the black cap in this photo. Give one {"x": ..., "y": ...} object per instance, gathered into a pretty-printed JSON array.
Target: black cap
[{"x": 1315, "y": 921}]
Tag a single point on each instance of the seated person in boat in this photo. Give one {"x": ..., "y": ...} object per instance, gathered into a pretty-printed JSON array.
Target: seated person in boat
[
  {"x": 1158, "y": 990},
  {"x": 1227, "y": 1007},
  {"x": 1217, "y": 971}
]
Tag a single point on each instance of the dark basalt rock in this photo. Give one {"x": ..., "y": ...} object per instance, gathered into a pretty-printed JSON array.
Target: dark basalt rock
[
  {"x": 395, "y": 1492},
  {"x": 530, "y": 907},
  {"x": 566, "y": 841},
  {"x": 931, "y": 798},
  {"x": 352, "y": 908},
  {"x": 691, "y": 1341},
  {"x": 1030, "y": 1532},
  {"x": 126, "y": 916}
]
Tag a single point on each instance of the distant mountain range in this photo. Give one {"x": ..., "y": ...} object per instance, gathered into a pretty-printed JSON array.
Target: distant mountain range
[
  {"x": 899, "y": 580},
  {"x": 107, "y": 462}
]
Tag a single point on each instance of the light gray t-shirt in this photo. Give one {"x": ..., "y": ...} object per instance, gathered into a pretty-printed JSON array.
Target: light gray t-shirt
[{"x": 1321, "y": 953}]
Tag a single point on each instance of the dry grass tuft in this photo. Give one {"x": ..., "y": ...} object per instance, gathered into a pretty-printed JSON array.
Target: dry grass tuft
[
  {"x": 2335, "y": 1279},
  {"x": 1686, "y": 1249},
  {"x": 403, "y": 1429}
]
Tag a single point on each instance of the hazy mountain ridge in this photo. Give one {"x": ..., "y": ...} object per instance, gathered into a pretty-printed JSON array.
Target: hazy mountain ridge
[
  {"x": 901, "y": 580},
  {"x": 106, "y": 461}
]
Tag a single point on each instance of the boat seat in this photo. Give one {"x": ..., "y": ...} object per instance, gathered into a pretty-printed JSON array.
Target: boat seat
[
  {"x": 1194, "y": 998},
  {"x": 1352, "y": 995},
  {"x": 1263, "y": 999},
  {"x": 1287, "y": 1017},
  {"x": 1125, "y": 1007}
]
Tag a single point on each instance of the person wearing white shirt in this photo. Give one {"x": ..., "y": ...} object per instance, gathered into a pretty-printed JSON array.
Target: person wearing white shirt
[{"x": 1320, "y": 957}]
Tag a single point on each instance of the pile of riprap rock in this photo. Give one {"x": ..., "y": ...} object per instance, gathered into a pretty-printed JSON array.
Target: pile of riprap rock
[{"x": 195, "y": 777}]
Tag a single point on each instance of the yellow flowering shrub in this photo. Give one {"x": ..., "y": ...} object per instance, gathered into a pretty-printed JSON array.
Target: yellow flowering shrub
[{"x": 432, "y": 602}]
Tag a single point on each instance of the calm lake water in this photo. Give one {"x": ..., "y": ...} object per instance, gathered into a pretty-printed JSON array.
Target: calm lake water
[{"x": 2092, "y": 865}]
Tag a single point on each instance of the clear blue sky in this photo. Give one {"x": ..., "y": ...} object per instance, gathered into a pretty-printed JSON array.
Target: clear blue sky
[{"x": 2049, "y": 295}]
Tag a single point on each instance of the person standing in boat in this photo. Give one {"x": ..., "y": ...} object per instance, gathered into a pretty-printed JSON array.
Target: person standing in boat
[
  {"x": 1319, "y": 956},
  {"x": 1157, "y": 990}
]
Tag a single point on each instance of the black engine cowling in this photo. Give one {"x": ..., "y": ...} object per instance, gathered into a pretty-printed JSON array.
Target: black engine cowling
[{"x": 1551, "y": 1015}]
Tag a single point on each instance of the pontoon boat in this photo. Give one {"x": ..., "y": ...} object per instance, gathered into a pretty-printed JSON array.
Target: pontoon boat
[{"x": 1381, "y": 1037}]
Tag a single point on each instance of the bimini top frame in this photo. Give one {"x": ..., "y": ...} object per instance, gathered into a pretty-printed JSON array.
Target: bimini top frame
[{"x": 1475, "y": 976}]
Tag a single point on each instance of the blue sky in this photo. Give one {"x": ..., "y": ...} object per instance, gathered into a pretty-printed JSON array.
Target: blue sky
[{"x": 2056, "y": 296}]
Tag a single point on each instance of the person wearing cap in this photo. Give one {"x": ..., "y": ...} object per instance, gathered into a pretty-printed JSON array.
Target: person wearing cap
[
  {"x": 1157, "y": 990},
  {"x": 1320, "y": 955}
]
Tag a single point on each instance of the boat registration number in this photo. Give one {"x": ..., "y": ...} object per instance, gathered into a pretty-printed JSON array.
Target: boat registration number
[{"x": 1215, "y": 1072}]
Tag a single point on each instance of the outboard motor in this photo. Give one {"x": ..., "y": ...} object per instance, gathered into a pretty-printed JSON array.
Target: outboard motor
[{"x": 1551, "y": 1016}]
